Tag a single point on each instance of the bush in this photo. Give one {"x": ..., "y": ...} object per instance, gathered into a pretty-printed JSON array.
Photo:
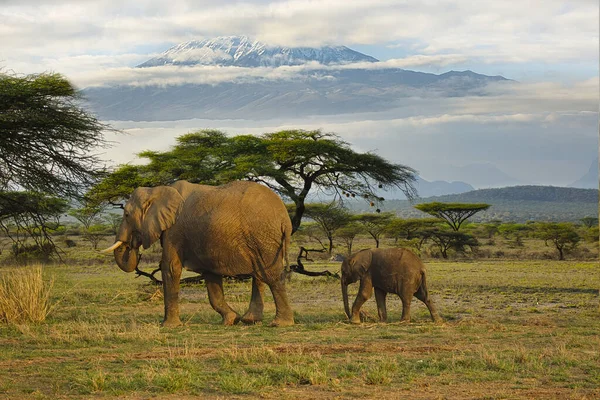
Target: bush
[
  {"x": 24, "y": 296},
  {"x": 23, "y": 253}
]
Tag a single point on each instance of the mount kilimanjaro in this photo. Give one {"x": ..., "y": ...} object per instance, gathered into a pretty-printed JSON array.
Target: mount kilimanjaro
[
  {"x": 314, "y": 81},
  {"x": 240, "y": 51}
]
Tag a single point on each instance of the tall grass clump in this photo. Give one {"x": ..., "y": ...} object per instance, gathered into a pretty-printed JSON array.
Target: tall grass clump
[{"x": 24, "y": 296}]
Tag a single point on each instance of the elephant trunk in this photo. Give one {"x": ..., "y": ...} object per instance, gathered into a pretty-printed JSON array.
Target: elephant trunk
[
  {"x": 126, "y": 257},
  {"x": 345, "y": 296}
]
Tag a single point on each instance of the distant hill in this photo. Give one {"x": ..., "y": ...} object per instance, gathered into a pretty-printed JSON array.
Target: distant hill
[
  {"x": 339, "y": 81},
  {"x": 517, "y": 203},
  {"x": 525, "y": 193}
]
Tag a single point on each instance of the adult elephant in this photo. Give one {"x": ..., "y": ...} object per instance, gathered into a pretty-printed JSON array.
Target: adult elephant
[
  {"x": 391, "y": 270},
  {"x": 241, "y": 228}
]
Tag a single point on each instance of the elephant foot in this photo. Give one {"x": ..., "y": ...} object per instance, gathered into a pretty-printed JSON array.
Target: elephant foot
[
  {"x": 251, "y": 319},
  {"x": 278, "y": 322},
  {"x": 171, "y": 323},
  {"x": 231, "y": 319}
]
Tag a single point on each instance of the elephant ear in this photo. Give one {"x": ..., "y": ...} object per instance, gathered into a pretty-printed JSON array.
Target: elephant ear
[
  {"x": 160, "y": 209},
  {"x": 362, "y": 262}
]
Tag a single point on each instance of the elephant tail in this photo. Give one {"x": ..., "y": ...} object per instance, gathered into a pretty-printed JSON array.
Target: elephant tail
[
  {"x": 285, "y": 243},
  {"x": 423, "y": 286}
]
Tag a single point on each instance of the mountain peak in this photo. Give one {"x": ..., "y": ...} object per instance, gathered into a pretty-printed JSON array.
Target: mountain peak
[{"x": 241, "y": 51}]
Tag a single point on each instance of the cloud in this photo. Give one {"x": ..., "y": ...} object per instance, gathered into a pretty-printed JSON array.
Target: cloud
[{"x": 485, "y": 31}]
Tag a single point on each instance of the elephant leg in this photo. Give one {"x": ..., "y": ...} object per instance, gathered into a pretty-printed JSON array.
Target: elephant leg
[
  {"x": 364, "y": 293},
  {"x": 283, "y": 314},
  {"x": 406, "y": 300},
  {"x": 423, "y": 295},
  {"x": 381, "y": 309},
  {"x": 170, "y": 268},
  {"x": 214, "y": 286},
  {"x": 255, "y": 311}
]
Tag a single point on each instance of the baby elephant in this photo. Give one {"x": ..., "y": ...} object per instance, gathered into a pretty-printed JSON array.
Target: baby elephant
[{"x": 393, "y": 270}]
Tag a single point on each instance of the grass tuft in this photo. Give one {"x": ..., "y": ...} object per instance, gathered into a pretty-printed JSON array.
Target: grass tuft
[{"x": 24, "y": 296}]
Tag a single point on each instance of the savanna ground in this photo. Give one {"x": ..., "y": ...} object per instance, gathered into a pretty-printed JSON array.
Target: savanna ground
[{"x": 513, "y": 329}]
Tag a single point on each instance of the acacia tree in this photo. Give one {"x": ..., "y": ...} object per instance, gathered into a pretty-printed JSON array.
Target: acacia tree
[
  {"x": 330, "y": 217},
  {"x": 562, "y": 235},
  {"x": 46, "y": 150},
  {"x": 408, "y": 228},
  {"x": 47, "y": 140},
  {"x": 27, "y": 215},
  {"x": 293, "y": 163},
  {"x": 375, "y": 224},
  {"x": 348, "y": 233},
  {"x": 589, "y": 222},
  {"x": 445, "y": 239},
  {"x": 89, "y": 218},
  {"x": 453, "y": 213}
]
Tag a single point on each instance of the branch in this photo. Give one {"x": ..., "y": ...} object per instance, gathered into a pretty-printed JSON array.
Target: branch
[{"x": 299, "y": 268}]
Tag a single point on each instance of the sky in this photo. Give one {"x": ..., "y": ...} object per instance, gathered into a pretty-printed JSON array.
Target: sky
[{"x": 543, "y": 129}]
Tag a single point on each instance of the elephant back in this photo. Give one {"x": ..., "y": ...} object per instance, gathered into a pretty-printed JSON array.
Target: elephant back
[{"x": 237, "y": 228}]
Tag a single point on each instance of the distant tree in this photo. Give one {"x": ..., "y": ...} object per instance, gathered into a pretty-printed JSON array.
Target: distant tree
[
  {"x": 491, "y": 228},
  {"x": 47, "y": 140},
  {"x": 311, "y": 232},
  {"x": 348, "y": 233},
  {"x": 30, "y": 216},
  {"x": 515, "y": 232},
  {"x": 330, "y": 217},
  {"x": 445, "y": 239},
  {"x": 90, "y": 219},
  {"x": 453, "y": 213},
  {"x": 589, "y": 221},
  {"x": 293, "y": 163},
  {"x": 562, "y": 235},
  {"x": 113, "y": 221},
  {"x": 374, "y": 224},
  {"x": 47, "y": 144},
  {"x": 399, "y": 228}
]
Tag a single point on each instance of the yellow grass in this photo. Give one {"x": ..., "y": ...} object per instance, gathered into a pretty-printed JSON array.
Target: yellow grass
[{"x": 24, "y": 296}]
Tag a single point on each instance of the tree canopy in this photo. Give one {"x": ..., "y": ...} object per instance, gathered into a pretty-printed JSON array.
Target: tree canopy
[
  {"x": 374, "y": 224},
  {"x": 562, "y": 235},
  {"x": 330, "y": 217},
  {"x": 453, "y": 213},
  {"x": 293, "y": 163},
  {"x": 46, "y": 139}
]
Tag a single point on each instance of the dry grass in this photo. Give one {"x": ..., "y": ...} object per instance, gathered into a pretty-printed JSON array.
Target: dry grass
[{"x": 24, "y": 295}]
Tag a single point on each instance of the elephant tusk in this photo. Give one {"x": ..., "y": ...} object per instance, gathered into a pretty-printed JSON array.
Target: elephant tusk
[{"x": 113, "y": 247}]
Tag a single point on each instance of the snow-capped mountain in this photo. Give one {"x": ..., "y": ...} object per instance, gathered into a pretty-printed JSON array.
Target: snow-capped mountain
[{"x": 241, "y": 51}]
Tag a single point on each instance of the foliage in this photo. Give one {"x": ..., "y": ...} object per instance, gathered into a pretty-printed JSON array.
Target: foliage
[
  {"x": 29, "y": 215},
  {"x": 399, "y": 228},
  {"x": 293, "y": 163},
  {"x": 445, "y": 239},
  {"x": 563, "y": 236},
  {"x": 589, "y": 222},
  {"x": 453, "y": 213},
  {"x": 515, "y": 232},
  {"x": 348, "y": 233},
  {"x": 89, "y": 216},
  {"x": 330, "y": 217},
  {"x": 374, "y": 224},
  {"x": 24, "y": 296},
  {"x": 46, "y": 139}
]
